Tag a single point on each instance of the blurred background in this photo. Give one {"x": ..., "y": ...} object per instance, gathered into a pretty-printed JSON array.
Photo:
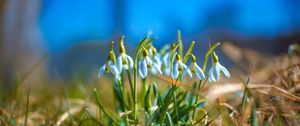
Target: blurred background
[{"x": 57, "y": 38}]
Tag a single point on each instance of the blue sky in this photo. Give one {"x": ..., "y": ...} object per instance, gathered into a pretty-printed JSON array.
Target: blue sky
[{"x": 65, "y": 23}]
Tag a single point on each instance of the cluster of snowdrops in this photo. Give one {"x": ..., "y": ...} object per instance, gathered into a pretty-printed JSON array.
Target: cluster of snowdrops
[{"x": 165, "y": 108}]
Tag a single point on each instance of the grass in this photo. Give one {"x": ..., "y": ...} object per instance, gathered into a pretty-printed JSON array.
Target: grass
[{"x": 162, "y": 100}]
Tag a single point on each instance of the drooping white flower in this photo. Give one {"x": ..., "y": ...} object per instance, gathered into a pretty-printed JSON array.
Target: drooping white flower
[
  {"x": 195, "y": 69},
  {"x": 124, "y": 61},
  {"x": 179, "y": 67},
  {"x": 156, "y": 58},
  {"x": 216, "y": 69},
  {"x": 145, "y": 64},
  {"x": 166, "y": 63},
  {"x": 110, "y": 67},
  {"x": 166, "y": 59}
]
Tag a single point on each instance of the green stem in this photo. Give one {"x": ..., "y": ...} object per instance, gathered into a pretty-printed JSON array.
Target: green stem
[
  {"x": 195, "y": 85},
  {"x": 144, "y": 89},
  {"x": 197, "y": 96},
  {"x": 99, "y": 103},
  {"x": 137, "y": 51},
  {"x": 135, "y": 97},
  {"x": 180, "y": 43},
  {"x": 120, "y": 90},
  {"x": 246, "y": 93},
  {"x": 175, "y": 105},
  {"x": 200, "y": 85},
  {"x": 123, "y": 104},
  {"x": 210, "y": 50},
  {"x": 172, "y": 56},
  {"x": 188, "y": 53},
  {"x": 149, "y": 100},
  {"x": 165, "y": 107},
  {"x": 130, "y": 83},
  {"x": 135, "y": 109},
  {"x": 27, "y": 107}
]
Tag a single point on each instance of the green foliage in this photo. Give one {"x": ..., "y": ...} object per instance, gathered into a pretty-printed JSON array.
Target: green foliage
[
  {"x": 171, "y": 108},
  {"x": 158, "y": 99}
]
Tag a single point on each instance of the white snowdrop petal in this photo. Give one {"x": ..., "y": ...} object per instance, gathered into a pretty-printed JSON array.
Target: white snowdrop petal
[
  {"x": 199, "y": 73},
  {"x": 183, "y": 75},
  {"x": 119, "y": 63},
  {"x": 224, "y": 70},
  {"x": 148, "y": 60},
  {"x": 166, "y": 59},
  {"x": 157, "y": 68},
  {"x": 157, "y": 60},
  {"x": 216, "y": 72},
  {"x": 118, "y": 77},
  {"x": 211, "y": 77},
  {"x": 150, "y": 52},
  {"x": 114, "y": 69},
  {"x": 188, "y": 71},
  {"x": 124, "y": 58},
  {"x": 130, "y": 61},
  {"x": 101, "y": 71},
  {"x": 175, "y": 71},
  {"x": 125, "y": 66},
  {"x": 167, "y": 71},
  {"x": 182, "y": 65},
  {"x": 140, "y": 71},
  {"x": 143, "y": 68}
]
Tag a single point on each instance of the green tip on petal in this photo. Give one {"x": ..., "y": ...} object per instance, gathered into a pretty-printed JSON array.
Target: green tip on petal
[
  {"x": 154, "y": 50},
  {"x": 111, "y": 56},
  {"x": 122, "y": 40},
  {"x": 173, "y": 46},
  {"x": 193, "y": 58},
  {"x": 145, "y": 52},
  {"x": 122, "y": 47},
  {"x": 215, "y": 57},
  {"x": 178, "y": 57}
]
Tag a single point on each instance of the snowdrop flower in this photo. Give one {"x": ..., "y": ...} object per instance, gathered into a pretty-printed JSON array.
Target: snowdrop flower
[
  {"x": 166, "y": 63},
  {"x": 216, "y": 69},
  {"x": 179, "y": 67},
  {"x": 167, "y": 59},
  {"x": 124, "y": 61},
  {"x": 109, "y": 67},
  {"x": 146, "y": 64},
  {"x": 165, "y": 48},
  {"x": 195, "y": 69},
  {"x": 151, "y": 50},
  {"x": 156, "y": 57}
]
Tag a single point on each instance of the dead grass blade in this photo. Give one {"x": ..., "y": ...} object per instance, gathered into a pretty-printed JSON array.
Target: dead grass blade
[{"x": 219, "y": 90}]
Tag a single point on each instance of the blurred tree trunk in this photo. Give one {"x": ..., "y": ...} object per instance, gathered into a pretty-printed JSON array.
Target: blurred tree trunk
[{"x": 21, "y": 44}]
